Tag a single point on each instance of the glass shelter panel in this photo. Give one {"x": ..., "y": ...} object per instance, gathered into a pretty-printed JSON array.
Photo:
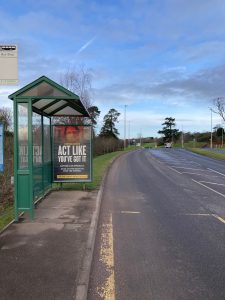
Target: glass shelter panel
[
  {"x": 22, "y": 135},
  {"x": 47, "y": 175},
  {"x": 47, "y": 140},
  {"x": 37, "y": 155},
  {"x": 44, "y": 90}
]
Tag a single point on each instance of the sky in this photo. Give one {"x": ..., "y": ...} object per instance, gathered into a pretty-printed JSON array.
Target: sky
[{"x": 159, "y": 58}]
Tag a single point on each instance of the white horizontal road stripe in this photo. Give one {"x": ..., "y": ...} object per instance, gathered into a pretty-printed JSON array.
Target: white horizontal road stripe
[
  {"x": 204, "y": 215},
  {"x": 209, "y": 188},
  {"x": 216, "y": 172},
  {"x": 188, "y": 168},
  {"x": 130, "y": 212},
  {"x": 212, "y": 183},
  {"x": 198, "y": 174}
]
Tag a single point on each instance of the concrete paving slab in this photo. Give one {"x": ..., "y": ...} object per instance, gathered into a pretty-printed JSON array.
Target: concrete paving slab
[{"x": 41, "y": 259}]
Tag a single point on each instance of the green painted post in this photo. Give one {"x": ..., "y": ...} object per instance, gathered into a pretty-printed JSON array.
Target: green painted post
[
  {"x": 30, "y": 159},
  {"x": 15, "y": 113}
]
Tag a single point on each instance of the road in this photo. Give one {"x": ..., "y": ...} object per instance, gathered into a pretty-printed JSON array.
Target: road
[{"x": 161, "y": 231}]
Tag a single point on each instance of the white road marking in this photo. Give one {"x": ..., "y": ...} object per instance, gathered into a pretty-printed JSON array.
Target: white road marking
[
  {"x": 212, "y": 183},
  {"x": 175, "y": 170},
  {"x": 218, "y": 218},
  {"x": 204, "y": 215},
  {"x": 198, "y": 174},
  {"x": 208, "y": 215},
  {"x": 188, "y": 168},
  {"x": 216, "y": 172},
  {"x": 130, "y": 212},
  {"x": 209, "y": 188}
]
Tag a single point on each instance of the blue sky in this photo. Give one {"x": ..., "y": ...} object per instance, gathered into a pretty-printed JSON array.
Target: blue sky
[{"x": 161, "y": 58}]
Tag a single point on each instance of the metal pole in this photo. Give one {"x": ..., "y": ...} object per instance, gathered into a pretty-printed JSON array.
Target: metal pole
[
  {"x": 211, "y": 130},
  {"x": 124, "y": 146},
  {"x": 222, "y": 137},
  {"x": 128, "y": 133}
]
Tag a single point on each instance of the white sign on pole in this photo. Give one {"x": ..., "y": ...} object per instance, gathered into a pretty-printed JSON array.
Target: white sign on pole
[{"x": 8, "y": 65}]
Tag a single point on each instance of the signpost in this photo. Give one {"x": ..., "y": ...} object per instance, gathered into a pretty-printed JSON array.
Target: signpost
[
  {"x": 8, "y": 64},
  {"x": 72, "y": 153},
  {"x": 1, "y": 148}
]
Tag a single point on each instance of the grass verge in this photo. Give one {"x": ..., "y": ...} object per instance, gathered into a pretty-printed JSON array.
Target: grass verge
[
  {"x": 6, "y": 217},
  {"x": 100, "y": 164},
  {"x": 216, "y": 155}
]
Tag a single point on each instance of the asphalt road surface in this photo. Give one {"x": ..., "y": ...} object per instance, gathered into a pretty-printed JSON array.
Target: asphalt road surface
[{"x": 161, "y": 232}]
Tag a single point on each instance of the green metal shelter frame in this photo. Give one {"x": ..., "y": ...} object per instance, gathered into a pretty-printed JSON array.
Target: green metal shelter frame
[{"x": 34, "y": 106}]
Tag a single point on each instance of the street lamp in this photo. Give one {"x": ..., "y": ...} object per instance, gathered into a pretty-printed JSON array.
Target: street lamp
[
  {"x": 211, "y": 130},
  {"x": 125, "y": 106}
]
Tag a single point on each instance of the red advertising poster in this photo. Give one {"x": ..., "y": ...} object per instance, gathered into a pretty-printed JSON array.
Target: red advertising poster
[{"x": 72, "y": 161}]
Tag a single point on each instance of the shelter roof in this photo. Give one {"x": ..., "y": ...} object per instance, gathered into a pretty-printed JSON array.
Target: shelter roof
[{"x": 50, "y": 98}]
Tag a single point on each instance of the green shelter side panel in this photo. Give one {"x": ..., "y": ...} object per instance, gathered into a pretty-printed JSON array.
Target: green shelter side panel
[
  {"x": 37, "y": 181},
  {"x": 23, "y": 192},
  {"x": 47, "y": 175}
]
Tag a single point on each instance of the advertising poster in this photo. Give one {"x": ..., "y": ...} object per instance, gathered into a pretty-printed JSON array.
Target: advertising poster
[
  {"x": 72, "y": 157},
  {"x": 1, "y": 148}
]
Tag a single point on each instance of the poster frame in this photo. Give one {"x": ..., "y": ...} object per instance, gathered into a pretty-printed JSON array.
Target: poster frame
[{"x": 91, "y": 156}]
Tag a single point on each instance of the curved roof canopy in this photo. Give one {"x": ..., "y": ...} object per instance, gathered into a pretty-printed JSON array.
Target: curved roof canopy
[{"x": 51, "y": 99}]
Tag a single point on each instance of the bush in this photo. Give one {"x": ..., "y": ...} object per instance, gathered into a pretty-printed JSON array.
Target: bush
[{"x": 6, "y": 189}]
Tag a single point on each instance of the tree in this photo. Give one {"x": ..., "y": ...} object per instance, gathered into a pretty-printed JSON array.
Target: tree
[
  {"x": 94, "y": 113},
  {"x": 108, "y": 128},
  {"x": 170, "y": 134},
  {"x": 6, "y": 117},
  {"x": 219, "y": 106},
  {"x": 78, "y": 81}
]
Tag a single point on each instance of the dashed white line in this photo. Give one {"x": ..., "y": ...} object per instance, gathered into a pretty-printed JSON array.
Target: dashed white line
[
  {"x": 209, "y": 188},
  {"x": 216, "y": 172},
  {"x": 188, "y": 168},
  {"x": 212, "y": 183}
]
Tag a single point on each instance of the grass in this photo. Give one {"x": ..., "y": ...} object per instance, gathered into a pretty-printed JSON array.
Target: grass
[
  {"x": 190, "y": 144},
  {"x": 100, "y": 164},
  {"x": 216, "y": 155},
  {"x": 6, "y": 217},
  {"x": 149, "y": 145}
]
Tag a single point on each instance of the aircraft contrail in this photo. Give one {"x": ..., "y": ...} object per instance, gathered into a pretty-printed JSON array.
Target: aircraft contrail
[{"x": 86, "y": 45}]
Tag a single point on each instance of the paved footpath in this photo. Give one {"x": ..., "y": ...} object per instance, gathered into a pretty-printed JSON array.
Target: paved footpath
[{"x": 49, "y": 257}]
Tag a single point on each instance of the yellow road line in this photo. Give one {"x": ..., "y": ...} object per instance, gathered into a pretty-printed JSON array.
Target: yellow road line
[{"x": 107, "y": 290}]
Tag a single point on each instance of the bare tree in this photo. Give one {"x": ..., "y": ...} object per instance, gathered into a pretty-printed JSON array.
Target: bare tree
[
  {"x": 219, "y": 106},
  {"x": 6, "y": 117},
  {"x": 78, "y": 81}
]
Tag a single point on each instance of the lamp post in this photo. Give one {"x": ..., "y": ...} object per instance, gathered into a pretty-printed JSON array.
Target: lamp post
[
  {"x": 125, "y": 106},
  {"x": 129, "y": 133},
  {"x": 222, "y": 137},
  {"x": 182, "y": 138},
  {"x": 211, "y": 145}
]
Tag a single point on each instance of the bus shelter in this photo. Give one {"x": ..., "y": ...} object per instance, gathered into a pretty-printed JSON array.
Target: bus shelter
[{"x": 34, "y": 107}]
